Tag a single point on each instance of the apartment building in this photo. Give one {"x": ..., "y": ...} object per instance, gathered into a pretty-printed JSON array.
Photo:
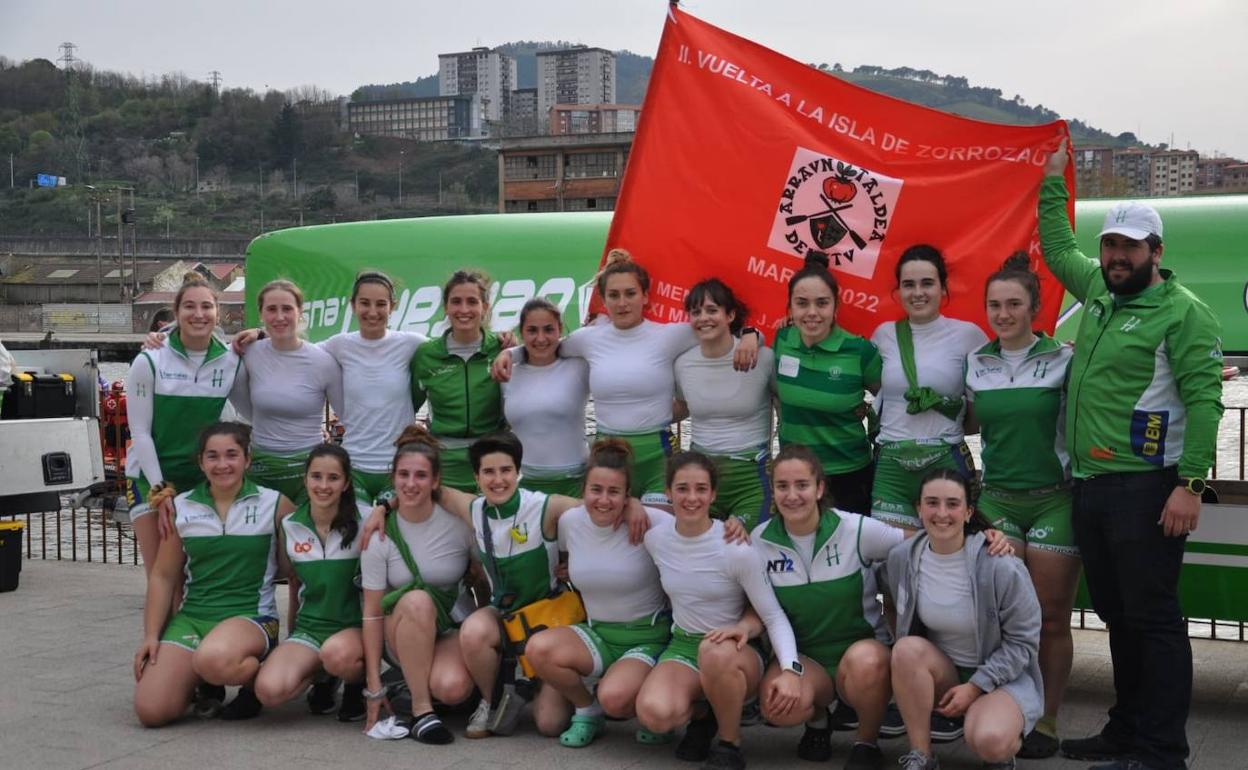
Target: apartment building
[
  {"x": 593, "y": 118},
  {"x": 577, "y": 75},
  {"x": 1173, "y": 172},
  {"x": 425, "y": 119},
  {"x": 489, "y": 74},
  {"x": 570, "y": 172},
  {"x": 1094, "y": 171}
]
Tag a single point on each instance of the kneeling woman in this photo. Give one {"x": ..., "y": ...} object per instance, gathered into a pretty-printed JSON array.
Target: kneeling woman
[
  {"x": 708, "y": 582},
  {"x": 628, "y": 625},
  {"x": 224, "y": 539},
  {"x": 411, "y": 581},
  {"x": 825, "y": 581},
  {"x": 978, "y": 655},
  {"x": 319, "y": 549}
]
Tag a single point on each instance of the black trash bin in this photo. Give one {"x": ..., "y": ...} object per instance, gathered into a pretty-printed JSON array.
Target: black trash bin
[{"x": 10, "y": 554}]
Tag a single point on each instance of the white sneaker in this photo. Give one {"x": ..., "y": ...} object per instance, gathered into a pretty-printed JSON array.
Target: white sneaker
[{"x": 479, "y": 722}]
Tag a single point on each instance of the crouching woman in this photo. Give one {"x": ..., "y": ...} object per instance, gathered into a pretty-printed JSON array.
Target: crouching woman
[{"x": 968, "y": 628}]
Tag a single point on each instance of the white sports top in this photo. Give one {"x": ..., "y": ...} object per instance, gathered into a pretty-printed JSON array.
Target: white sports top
[
  {"x": 730, "y": 411},
  {"x": 545, "y": 407},
  {"x": 945, "y": 605},
  {"x": 441, "y": 545},
  {"x": 618, "y": 581},
  {"x": 708, "y": 581},
  {"x": 630, "y": 372},
  {"x": 940, "y": 350},
  {"x": 284, "y": 394},
  {"x": 377, "y": 393}
]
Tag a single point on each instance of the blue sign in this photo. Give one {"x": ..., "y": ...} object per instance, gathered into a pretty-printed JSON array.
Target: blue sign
[{"x": 47, "y": 180}]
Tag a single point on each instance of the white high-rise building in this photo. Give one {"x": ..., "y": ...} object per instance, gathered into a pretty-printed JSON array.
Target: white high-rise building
[
  {"x": 489, "y": 74},
  {"x": 577, "y": 75}
]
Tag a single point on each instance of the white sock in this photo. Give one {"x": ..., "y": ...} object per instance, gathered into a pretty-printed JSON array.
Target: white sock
[{"x": 592, "y": 710}]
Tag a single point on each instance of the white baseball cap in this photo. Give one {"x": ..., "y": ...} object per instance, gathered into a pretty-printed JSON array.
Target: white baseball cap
[{"x": 1132, "y": 219}]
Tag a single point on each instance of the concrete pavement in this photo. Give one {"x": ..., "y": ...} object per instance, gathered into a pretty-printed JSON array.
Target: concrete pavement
[{"x": 68, "y": 634}]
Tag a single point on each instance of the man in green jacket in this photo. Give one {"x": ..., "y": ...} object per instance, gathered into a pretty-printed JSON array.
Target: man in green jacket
[{"x": 1143, "y": 405}]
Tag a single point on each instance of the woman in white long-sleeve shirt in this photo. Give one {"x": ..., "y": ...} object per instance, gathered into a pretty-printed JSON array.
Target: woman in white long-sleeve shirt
[
  {"x": 283, "y": 387},
  {"x": 544, "y": 404},
  {"x": 708, "y": 582},
  {"x": 172, "y": 393}
]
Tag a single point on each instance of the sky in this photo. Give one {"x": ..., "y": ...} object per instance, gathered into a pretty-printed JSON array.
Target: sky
[{"x": 1157, "y": 68}]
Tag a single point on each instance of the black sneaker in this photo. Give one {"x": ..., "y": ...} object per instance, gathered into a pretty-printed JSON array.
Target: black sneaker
[
  {"x": 944, "y": 729},
  {"x": 724, "y": 756},
  {"x": 209, "y": 700},
  {"x": 695, "y": 746},
  {"x": 352, "y": 708},
  {"x": 893, "y": 726},
  {"x": 864, "y": 756},
  {"x": 844, "y": 718},
  {"x": 244, "y": 706},
  {"x": 1122, "y": 764},
  {"x": 428, "y": 728},
  {"x": 1094, "y": 748},
  {"x": 1038, "y": 745},
  {"x": 321, "y": 695},
  {"x": 816, "y": 744}
]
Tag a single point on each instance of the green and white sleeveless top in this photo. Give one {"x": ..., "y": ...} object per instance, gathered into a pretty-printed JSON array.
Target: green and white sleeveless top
[
  {"x": 1020, "y": 402},
  {"x": 171, "y": 396},
  {"x": 328, "y": 598},
  {"x": 230, "y": 564},
  {"x": 824, "y": 581},
  {"x": 524, "y": 560}
]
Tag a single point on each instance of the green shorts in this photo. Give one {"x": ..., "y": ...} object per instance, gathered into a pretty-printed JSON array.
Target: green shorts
[
  {"x": 457, "y": 470},
  {"x": 571, "y": 485},
  {"x": 965, "y": 673},
  {"x": 187, "y": 632},
  {"x": 313, "y": 637},
  {"x": 901, "y": 468},
  {"x": 642, "y": 640},
  {"x": 1041, "y": 518},
  {"x": 744, "y": 488},
  {"x": 283, "y": 472},
  {"x": 370, "y": 485},
  {"x": 683, "y": 648},
  {"x": 137, "y": 491},
  {"x": 650, "y": 453}
]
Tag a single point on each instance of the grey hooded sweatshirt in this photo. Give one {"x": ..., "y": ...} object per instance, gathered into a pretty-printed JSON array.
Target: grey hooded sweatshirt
[{"x": 1008, "y": 616}]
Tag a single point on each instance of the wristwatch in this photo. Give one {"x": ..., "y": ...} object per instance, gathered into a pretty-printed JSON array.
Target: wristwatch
[
  {"x": 1195, "y": 485},
  {"x": 796, "y": 667}
]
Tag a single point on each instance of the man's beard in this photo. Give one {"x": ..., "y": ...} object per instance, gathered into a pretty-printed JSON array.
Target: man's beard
[{"x": 1136, "y": 281}]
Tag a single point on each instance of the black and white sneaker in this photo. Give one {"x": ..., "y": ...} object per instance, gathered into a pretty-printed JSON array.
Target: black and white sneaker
[
  {"x": 816, "y": 744},
  {"x": 944, "y": 729},
  {"x": 893, "y": 726},
  {"x": 209, "y": 700},
  {"x": 843, "y": 718},
  {"x": 724, "y": 756},
  {"x": 244, "y": 706},
  {"x": 428, "y": 728},
  {"x": 321, "y": 695}
]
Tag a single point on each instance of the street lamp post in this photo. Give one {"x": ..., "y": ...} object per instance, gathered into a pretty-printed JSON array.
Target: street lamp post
[{"x": 400, "y": 178}]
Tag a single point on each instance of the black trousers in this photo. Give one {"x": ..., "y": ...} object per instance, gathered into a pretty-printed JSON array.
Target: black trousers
[
  {"x": 852, "y": 491},
  {"x": 1132, "y": 570}
]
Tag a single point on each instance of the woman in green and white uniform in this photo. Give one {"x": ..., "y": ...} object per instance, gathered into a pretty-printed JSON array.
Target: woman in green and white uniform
[
  {"x": 920, "y": 402},
  {"x": 318, "y": 548},
  {"x": 729, "y": 412},
  {"x": 822, "y": 375},
  {"x": 452, "y": 372},
  {"x": 821, "y": 565},
  {"x": 411, "y": 580},
  {"x": 1017, "y": 386},
  {"x": 172, "y": 393},
  {"x": 544, "y": 403},
  {"x": 224, "y": 541},
  {"x": 284, "y": 384},
  {"x": 628, "y": 625}
]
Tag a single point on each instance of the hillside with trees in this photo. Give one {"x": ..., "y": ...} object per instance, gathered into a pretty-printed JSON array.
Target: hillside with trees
[{"x": 205, "y": 161}]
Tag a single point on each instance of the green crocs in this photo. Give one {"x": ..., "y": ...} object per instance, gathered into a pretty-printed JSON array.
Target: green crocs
[
  {"x": 648, "y": 738},
  {"x": 582, "y": 731}
]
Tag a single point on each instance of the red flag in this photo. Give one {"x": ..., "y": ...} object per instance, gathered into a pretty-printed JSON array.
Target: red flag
[{"x": 744, "y": 160}]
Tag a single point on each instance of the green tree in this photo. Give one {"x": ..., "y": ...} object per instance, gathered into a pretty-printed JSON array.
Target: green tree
[{"x": 286, "y": 137}]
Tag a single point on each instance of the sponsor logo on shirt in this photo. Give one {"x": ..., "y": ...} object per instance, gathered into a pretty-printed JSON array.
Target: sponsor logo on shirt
[
  {"x": 832, "y": 553},
  {"x": 782, "y": 564},
  {"x": 984, "y": 371},
  {"x": 179, "y": 376},
  {"x": 304, "y": 547},
  {"x": 1148, "y": 435},
  {"x": 1130, "y": 324}
]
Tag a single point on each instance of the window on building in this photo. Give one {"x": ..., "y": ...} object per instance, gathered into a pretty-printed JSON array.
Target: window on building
[
  {"x": 529, "y": 167},
  {"x": 590, "y": 164}
]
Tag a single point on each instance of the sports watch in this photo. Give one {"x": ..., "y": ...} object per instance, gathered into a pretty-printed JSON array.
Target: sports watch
[
  {"x": 796, "y": 667},
  {"x": 1195, "y": 485}
]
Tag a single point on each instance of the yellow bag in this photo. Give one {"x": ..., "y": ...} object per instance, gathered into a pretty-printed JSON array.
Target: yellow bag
[{"x": 562, "y": 609}]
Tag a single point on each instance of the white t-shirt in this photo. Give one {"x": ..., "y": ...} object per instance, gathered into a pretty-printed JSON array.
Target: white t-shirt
[
  {"x": 285, "y": 393},
  {"x": 940, "y": 350},
  {"x": 709, "y": 580},
  {"x": 630, "y": 372},
  {"x": 376, "y": 392},
  {"x": 617, "y": 580},
  {"x": 945, "y": 605},
  {"x": 441, "y": 545},
  {"x": 729, "y": 411},
  {"x": 545, "y": 407}
]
